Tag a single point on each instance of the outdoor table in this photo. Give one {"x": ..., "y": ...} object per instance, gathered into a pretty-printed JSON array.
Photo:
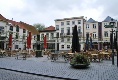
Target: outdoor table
[
  {"x": 94, "y": 56},
  {"x": 2, "y": 53},
  {"x": 70, "y": 53},
  {"x": 106, "y": 55},
  {"x": 54, "y": 56},
  {"x": 24, "y": 55}
]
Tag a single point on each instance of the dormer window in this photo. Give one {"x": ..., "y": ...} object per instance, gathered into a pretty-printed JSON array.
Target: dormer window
[{"x": 17, "y": 28}]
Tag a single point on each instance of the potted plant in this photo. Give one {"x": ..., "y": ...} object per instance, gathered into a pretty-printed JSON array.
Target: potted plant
[{"x": 80, "y": 61}]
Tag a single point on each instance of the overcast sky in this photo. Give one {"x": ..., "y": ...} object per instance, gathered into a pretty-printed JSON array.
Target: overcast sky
[{"x": 46, "y": 11}]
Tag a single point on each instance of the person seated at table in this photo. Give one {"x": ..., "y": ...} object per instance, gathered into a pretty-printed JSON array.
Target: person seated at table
[{"x": 18, "y": 53}]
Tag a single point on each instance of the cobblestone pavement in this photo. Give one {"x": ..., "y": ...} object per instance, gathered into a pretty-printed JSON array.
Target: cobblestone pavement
[
  {"x": 11, "y": 75},
  {"x": 96, "y": 71}
]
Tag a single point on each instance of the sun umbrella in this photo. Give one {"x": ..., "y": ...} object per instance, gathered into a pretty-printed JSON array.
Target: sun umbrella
[
  {"x": 87, "y": 41},
  {"x": 75, "y": 40},
  {"x": 29, "y": 39},
  {"x": 111, "y": 41},
  {"x": 10, "y": 40},
  {"x": 90, "y": 43},
  {"x": 45, "y": 44},
  {"x": 115, "y": 42}
]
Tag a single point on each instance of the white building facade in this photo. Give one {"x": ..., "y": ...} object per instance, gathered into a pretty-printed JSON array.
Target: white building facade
[
  {"x": 64, "y": 27},
  {"x": 19, "y": 32}
]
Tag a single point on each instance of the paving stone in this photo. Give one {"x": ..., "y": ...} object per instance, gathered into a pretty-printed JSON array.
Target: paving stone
[{"x": 96, "y": 71}]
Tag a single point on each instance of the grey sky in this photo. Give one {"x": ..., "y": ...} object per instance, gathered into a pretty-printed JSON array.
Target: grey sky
[{"x": 46, "y": 11}]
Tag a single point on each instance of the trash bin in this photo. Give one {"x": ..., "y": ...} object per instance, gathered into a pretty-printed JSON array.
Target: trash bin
[{"x": 39, "y": 53}]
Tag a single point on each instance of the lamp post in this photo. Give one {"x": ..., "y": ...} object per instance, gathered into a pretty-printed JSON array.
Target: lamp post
[
  {"x": 111, "y": 25},
  {"x": 117, "y": 45}
]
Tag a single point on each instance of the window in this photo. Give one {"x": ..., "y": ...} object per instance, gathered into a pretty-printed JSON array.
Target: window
[
  {"x": 94, "y": 34},
  {"x": 62, "y": 30},
  {"x": 79, "y": 29},
  {"x": 47, "y": 36},
  {"x": 73, "y": 22},
  {"x": 68, "y": 22},
  {"x": 79, "y": 21},
  {"x": 11, "y": 28},
  {"x": 1, "y": 27},
  {"x": 34, "y": 37},
  {"x": 62, "y": 23},
  {"x": 16, "y": 46},
  {"x": 105, "y": 33},
  {"x": 68, "y": 46},
  {"x": 68, "y": 30},
  {"x": 57, "y": 27},
  {"x": 68, "y": 39},
  {"x": 62, "y": 46},
  {"x": 94, "y": 25},
  {"x": 62, "y": 39},
  {"x": 17, "y": 35},
  {"x": 42, "y": 36},
  {"x": 23, "y": 36},
  {"x": 17, "y": 28},
  {"x": 24, "y": 31},
  {"x": 52, "y": 35},
  {"x": 57, "y": 35},
  {"x": 72, "y": 29},
  {"x": 87, "y": 26},
  {"x": 105, "y": 24}
]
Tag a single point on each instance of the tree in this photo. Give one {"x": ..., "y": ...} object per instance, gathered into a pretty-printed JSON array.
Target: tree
[{"x": 39, "y": 26}]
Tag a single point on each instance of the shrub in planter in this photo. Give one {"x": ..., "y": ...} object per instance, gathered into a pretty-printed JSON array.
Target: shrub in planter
[{"x": 80, "y": 61}]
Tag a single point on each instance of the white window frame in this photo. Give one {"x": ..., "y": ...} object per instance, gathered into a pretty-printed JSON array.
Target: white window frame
[
  {"x": 87, "y": 26},
  {"x": 62, "y": 46},
  {"x": 68, "y": 46},
  {"x": 94, "y": 34},
  {"x": 94, "y": 26},
  {"x": 106, "y": 33}
]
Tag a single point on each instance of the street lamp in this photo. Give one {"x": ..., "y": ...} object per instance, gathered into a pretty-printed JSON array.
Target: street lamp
[
  {"x": 117, "y": 45},
  {"x": 111, "y": 25}
]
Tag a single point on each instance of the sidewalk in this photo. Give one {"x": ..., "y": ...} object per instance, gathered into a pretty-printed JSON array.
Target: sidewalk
[{"x": 60, "y": 69}]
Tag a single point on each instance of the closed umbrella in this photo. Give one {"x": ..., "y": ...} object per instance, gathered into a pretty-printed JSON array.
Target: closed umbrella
[
  {"x": 111, "y": 41},
  {"x": 29, "y": 39},
  {"x": 90, "y": 43},
  {"x": 87, "y": 41},
  {"x": 45, "y": 44},
  {"x": 115, "y": 42},
  {"x": 75, "y": 40},
  {"x": 10, "y": 40}
]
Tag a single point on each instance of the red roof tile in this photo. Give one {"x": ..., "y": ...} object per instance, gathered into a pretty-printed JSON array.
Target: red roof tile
[
  {"x": 2, "y": 18},
  {"x": 50, "y": 28},
  {"x": 21, "y": 25}
]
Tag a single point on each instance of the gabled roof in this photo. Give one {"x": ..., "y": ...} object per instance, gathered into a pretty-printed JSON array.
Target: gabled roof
[
  {"x": 28, "y": 27},
  {"x": 14, "y": 23},
  {"x": 91, "y": 20},
  {"x": 21, "y": 25},
  {"x": 50, "y": 28},
  {"x": 108, "y": 18},
  {"x": 2, "y": 18}
]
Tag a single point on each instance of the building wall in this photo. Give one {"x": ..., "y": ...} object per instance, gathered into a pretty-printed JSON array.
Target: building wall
[
  {"x": 20, "y": 41},
  {"x": 66, "y": 43}
]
